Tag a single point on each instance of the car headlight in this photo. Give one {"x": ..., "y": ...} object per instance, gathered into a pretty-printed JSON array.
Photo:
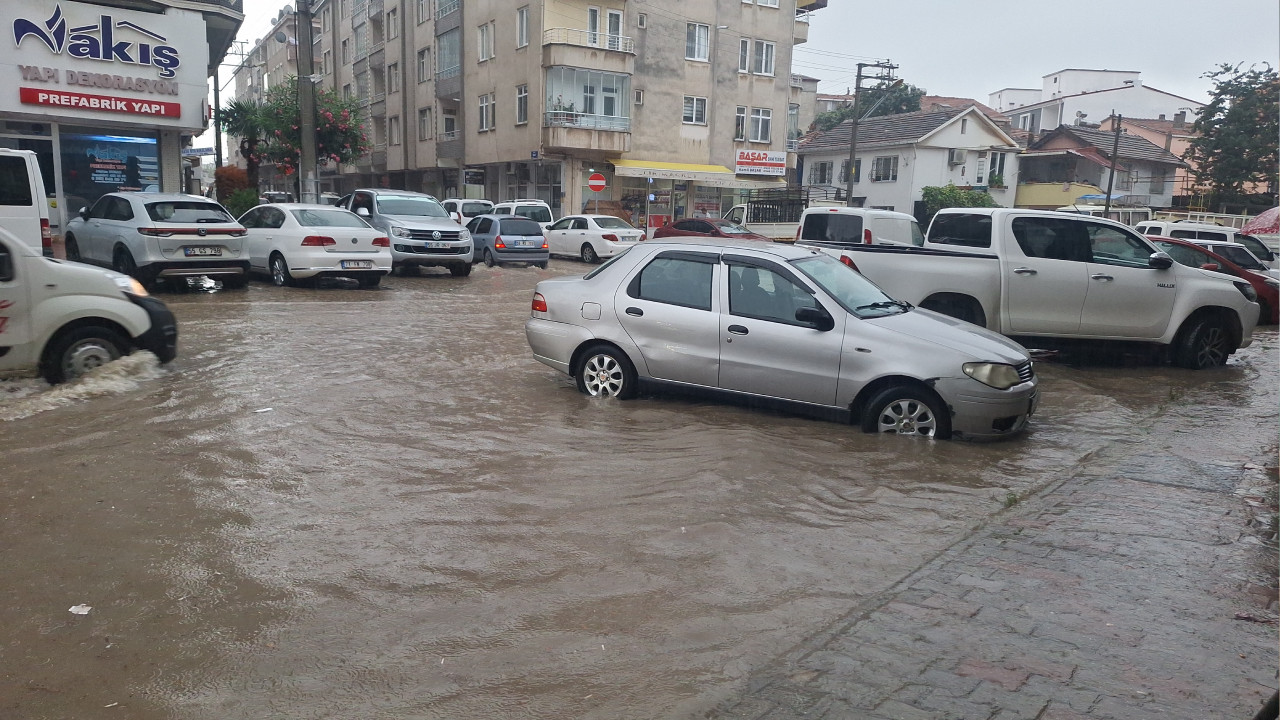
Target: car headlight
[
  {"x": 464, "y": 235},
  {"x": 996, "y": 375},
  {"x": 131, "y": 286},
  {"x": 1247, "y": 290},
  {"x": 400, "y": 231}
]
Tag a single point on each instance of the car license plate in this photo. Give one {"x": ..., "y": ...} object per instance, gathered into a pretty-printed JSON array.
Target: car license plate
[
  {"x": 357, "y": 264},
  {"x": 201, "y": 251},
  {"x": 524, "y": 243},
  {"x": 437, "y": 245}
]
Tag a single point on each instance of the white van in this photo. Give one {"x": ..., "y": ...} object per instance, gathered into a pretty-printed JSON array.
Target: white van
[
  {"x": 62, "y": 319},
  {"x": 858, "y": 226},
  {"x": 1130, "y": 216},
  {"x": 1206, "y": 231},
  {"x": 536, "y": 210},
  {"x": 24, "y": 207}
]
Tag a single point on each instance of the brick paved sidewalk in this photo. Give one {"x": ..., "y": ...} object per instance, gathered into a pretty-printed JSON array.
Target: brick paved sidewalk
[{"x": 1113, "y": 595}]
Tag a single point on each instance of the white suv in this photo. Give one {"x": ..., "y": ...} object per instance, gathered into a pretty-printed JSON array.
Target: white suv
[
  {"x": 463, "y": 210},
  {"x": 536, "y": 210}
]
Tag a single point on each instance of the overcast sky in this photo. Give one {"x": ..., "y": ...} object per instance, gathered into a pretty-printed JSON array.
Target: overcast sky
[{"x": 970, "y": 49}]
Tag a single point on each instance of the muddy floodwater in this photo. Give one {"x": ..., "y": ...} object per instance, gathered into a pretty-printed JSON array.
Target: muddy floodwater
[{"x": 375, "y": 504}]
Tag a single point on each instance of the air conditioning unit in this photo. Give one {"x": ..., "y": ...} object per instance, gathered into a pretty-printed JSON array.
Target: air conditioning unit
[{"x": 956, "y": 156}]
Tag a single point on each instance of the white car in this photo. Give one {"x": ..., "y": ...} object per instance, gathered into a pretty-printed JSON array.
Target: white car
[
  {"x": 536, "y": 210},
  {"x": 296, "y": 242},
  {"x": 591, "y": 237},
  {"x": 463, "y": 210},
  {"x": 1237, "y": 253}
]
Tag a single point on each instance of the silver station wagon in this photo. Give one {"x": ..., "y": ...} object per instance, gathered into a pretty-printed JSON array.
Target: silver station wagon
[{"x": 778, "y": 326}]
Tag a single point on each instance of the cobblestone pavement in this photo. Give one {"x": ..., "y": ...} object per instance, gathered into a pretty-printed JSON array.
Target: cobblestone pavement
[{"x": 1138, "y": 586}]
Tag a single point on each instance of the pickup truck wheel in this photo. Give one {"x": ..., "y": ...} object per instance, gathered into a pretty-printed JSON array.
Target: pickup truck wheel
[
  {"x": 75, "y": 353},
  {"x": 460, "y": 269},
  {"x": 1205, "y": 344},
  {"x": 606, "y": 371},
  {"x": 906, "y": 410},
  {"x": 72, "y": 248},
  {"x": 589, "y": 254}
]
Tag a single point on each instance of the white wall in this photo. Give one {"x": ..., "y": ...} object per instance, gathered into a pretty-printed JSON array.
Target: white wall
[{"x": 1071, "y": 82}]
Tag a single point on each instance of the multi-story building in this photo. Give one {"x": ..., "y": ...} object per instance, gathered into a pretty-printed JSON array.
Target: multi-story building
[{"x": 680, "y": 105}]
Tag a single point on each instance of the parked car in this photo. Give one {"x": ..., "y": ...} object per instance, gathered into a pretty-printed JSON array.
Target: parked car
[
  {"x": 591, "y": 237},
  {"x": 1188, "y": 253},
  {"x": 294, "y": 242},
  {"x": 782, "y": 326},
  {"x": 707, "y": 227},
  {"x": 1238, "y": 254},
  {"x": 842, "y": 226},
  {"x": 508, "y": 238},
  {"x": 1183, "y": 230},
  {"x": 421, "y": 231},
  {"x": 276, "y": 196},
  {"x": 463, "y": 210},
  {"x": 24, "y": 207},
  {"x": 63, "y": 319},
  {"x": 536, "y": 210},
  {"x": 158, "y": 236}
]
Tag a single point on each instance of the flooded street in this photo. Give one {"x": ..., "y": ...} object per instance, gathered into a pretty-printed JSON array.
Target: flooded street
[{"x": 376, "y": 504}]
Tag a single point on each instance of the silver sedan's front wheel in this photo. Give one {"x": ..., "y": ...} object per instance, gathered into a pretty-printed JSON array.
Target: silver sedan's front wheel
[
  {"x": 605, "y": 371},
  {"x": 906, "y": 410}
]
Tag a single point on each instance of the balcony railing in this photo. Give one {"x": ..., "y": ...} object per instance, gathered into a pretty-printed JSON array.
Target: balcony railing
[
  {"x": 793, "y": 145},
  {"x": 449, "y": 136},
  {"x": 797, "y": 81},
  {"x": 586, "y": 38},
  {"x": 564, "y": 118},
  {"x": 444, "y": 7},
  {"x": 449, "y": 72}
]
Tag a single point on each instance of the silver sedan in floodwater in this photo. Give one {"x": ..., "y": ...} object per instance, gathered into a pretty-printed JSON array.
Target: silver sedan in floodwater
[{"x": 778, "y": 326}]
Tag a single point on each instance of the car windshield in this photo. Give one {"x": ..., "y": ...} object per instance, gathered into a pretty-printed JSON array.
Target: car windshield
[
  {"x": 729, "y": 228},
  {"x": 410, "y": 205},
  {"x": 473, "y": 209},
  {"x": 536, "y": 213},
  {"x": 514, "y": 226},
  {"x": 328, "y": 218},
  {"x": 613, "y": 223},
  {"x": 1256, "y": 246},
  {"x": 854, "y": 292},
  {"x": 188, "y": 211},
  {"x": 1238, "y": 255}
]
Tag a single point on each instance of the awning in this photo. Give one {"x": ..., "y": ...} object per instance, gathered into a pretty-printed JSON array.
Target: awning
[
  {"x": 705, "y": 175},
  {"x": 1089, "y": 154}
]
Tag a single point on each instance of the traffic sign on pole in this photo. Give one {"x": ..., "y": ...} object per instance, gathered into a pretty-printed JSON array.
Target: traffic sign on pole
[{"x": 596, "y": 182}]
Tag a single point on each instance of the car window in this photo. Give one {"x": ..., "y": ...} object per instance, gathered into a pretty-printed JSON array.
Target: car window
[
  {"x": 514, "y": 226},
  {"x": 15, "y": 186},
  {"x": 101, "y": 208},
  {"x": 562, "y": 224},
  {"x": 847, "y": 286},
  {"x": 1050, "y": 238},
  {"x": 1113, "y": 246},
  {"x": 613, "y": 223},
  {"x": 344, "y": 201},
  {"x": 536, "y": 213},
  {"x": 967, "y": 230},
  {"x": 676, "y": 281},
  {"x": 761, "y": 293},
  {"x": 683, "y": 225},
  {"x": 473, "y": 209},
  {"x": 308, "y": 217},
  {"x": 832, "y": 227},
  {"x": 729, "y": 228},
  {"x": 273, "y": 218},
  {"x": 579, "y": 224},
  {"x": 1238, "y": 255},
  {"x": 450, "y": 205},
  {"x": 187, "y": 211},
  {"x": 362, "y": 200},
  {"x": 119, "y": 209},
  {"x": 1256, "y": 246},
  {"x": 252, "y": 218},
  {"x": 415, "y": 205},
  {"x": 1182, "y": 254}
]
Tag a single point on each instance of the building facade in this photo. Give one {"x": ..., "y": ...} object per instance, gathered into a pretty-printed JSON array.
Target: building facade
[
  {"x": 107, "y": 96},
  {"x": 679, "y": 105}
]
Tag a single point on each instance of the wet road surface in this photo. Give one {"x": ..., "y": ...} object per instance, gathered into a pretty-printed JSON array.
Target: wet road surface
[{"x": 376, "y": 504}]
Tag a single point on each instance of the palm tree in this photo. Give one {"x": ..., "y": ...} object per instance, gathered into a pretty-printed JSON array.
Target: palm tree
[{"x": 245, "y": 119}]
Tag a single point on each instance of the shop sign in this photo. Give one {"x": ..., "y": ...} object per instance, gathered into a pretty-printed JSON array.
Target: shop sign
[
  {"x": 472, "y": 176},
  {"x": 761, "y": 162}
]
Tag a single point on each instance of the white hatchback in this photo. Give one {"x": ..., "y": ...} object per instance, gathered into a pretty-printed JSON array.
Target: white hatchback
[
  {"x": 591, "y": 237},
  {"x": 296, "y": 242}
]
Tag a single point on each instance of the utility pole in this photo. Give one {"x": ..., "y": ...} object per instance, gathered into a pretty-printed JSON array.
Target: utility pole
[
  {"x": 885, "y": 76},
  {"x": 306, "y": 105},
  {"x": 1115, "y": 150}
]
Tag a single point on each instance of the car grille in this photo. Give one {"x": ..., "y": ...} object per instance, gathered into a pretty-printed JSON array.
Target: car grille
[
  {"x": 1025, "y": 372},
  {"x": 445, "y": 235},
  {"x": 416, "y": 249}
]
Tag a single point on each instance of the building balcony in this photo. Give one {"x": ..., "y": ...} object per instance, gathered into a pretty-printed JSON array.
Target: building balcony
[
  {"x": 592, "y": 50},
  {"x": 449, "y": 83},
  {"x": 810, "y": 4},
  {"x": 562, "y": 130},
  {"x": 793, "y": 145},
  {"x": 800, "y": 29},
  {"x": 449, "y": 145},
  {"x": 375, "y": 9}
]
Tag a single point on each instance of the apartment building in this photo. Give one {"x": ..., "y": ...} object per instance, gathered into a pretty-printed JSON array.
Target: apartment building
[{"x": 680, "y": 105}]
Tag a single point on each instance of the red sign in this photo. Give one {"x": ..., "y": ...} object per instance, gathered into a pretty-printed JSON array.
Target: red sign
[
  {"x": 596, "y": 182},
  {"x": 105, "y": 103}
]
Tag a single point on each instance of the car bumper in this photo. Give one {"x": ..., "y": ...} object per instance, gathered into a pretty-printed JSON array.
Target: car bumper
[
  {"x": 530, "y": 255},
  {"x": 162, "y": 337},
  {"x": 321, "y": 266},
  {"x": 408, "y": 252},
  {"x": 195, "y": 267},
  {"x": 981, "y": 411},
  {"x": 553, "y": 343}
]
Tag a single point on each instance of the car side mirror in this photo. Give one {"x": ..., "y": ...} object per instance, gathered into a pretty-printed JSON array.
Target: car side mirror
[
  {"x": 84, "y": 213},
  {"x": 819, "y": 318},
  {"x": 1210, "y": 266},
  {"x": 362, "y": 212},
  {"x": 1160, "y": 261}
]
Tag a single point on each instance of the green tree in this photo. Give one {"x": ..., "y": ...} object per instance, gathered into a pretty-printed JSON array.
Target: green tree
[
  {"x": 893, "y": 100},
  {"x": 936, "y": 198},
  {"x": 246, "y": 120},
  {"x": 1237, "y": 133},
  {"x": 340, "y": 135}
]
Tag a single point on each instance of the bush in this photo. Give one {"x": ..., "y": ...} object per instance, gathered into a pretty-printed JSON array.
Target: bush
[
  {"x": 241, "y": 201},
  {"x": 937, "y": 198},
  {"x": 229, "y": 179}
]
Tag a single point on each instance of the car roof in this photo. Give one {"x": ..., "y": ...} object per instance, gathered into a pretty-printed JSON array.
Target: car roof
[
  {"x": 157, "y": 197},
  {"x": 787, "y": 251},
  {"x": 304, "y": 206},
  {"x": 389, "y": 191},
  {"x": 1210, "y": 241}
]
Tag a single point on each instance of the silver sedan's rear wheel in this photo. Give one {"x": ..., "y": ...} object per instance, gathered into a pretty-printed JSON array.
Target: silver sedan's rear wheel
[
  {"x": 605, "y": 371},
  {"x": 906, "y": 410}
]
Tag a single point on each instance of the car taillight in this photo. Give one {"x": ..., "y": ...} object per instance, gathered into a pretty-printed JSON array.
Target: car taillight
[
  {"x": 849, "y": 261},
  {"x": 497, "y": 242},
  {"x": 155, "y": 232},
  {"x": 544, "y": 243},
  {"x": 610, "y": 237},
  {"x": 539, "y": 303},
  {"x": 238, "y": 233},
  {"x": 866, "y": 237},
  {"x": 318, "y": 241},
  {"x": 382, "y": 242}
]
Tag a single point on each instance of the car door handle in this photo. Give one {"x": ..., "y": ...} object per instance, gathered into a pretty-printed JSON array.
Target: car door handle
[
  {"x": 1024, "y": 271},
  {"x": 1101, "y": 277},
  {"x": 635, "y": 311},
  {"x": 738, "y": 329}
]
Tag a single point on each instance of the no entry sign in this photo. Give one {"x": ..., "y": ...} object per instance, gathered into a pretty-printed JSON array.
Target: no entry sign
[{"x": 596, "y": 182}]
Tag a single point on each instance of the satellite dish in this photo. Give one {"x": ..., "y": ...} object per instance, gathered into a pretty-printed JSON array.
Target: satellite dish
[
  {"x": 280, "y": 36},
  {"x": 286, "y": 10}
]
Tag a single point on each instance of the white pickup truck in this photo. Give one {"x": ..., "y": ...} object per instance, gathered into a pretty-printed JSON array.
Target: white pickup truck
[{"x": 1051, "y": 279}]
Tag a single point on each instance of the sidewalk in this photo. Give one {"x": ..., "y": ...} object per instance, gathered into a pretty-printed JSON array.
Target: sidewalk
[{"x": 1123, "y": 592}]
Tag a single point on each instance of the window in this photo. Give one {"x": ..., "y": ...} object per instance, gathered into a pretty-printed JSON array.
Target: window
[
  {"x": 593, "y": 26},
  {"x": 697, "y": 42},
  {"x": 964, "y": 125},
  {"x": 613, "y": 27},
  {"x": 982, "y": 168},
  {"x": 1124, "y": 180},
  {"x": 761, "y": 293},
  {"x": 450, "y": 124},
  {"x": 1157, "y": 181},
  {"x": 449, "y": 53},
  {"x": 393, "y": 130},
  {"x": 1053, "y": 239},
  {"x": 762, "y": 59},
  {"x": 346, "y": 92},
  {"x": 740, "y": 123},
  {"x": 423, "y": 12},
  {"x": 639, "y": 97},
  {"x": 326, "y": 62},
  {"x": 324, "y": 20},
  {"x": 393, "y": 77},
  {"x": 642, "y": 21},
  {"x": 964, "y": 229},
  {"x": 996, "y": 177},
  {"x": 393, "y": 24},
  {"x": 820, "y": 173},
  {"x": 744, "y": 55},
  {"x": 522, "y": 27},
  {"x": 857, "y": 170},
  {"x": 884, "y": 169},
  {"x": 484, "y": 41},
  {"x": 487, "y": 112},
  {"x": 424, "y": 65},
  {"x": 695, "y": 110},
  {"x": 1111, "y": 246},
  {"x": 761, "y": 120},
  {"x": 675, "y": 281},
  {"x": 424, "y": 123},
  {"x": 522, "y": 104},
  {"x": 767, "y": 3},
  {"x": 346, "y": 51}
]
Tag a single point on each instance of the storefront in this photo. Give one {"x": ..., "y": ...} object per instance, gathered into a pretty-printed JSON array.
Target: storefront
[
  {"x": 656, "y": 193},
  {"x": 103, "y": 96}
]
